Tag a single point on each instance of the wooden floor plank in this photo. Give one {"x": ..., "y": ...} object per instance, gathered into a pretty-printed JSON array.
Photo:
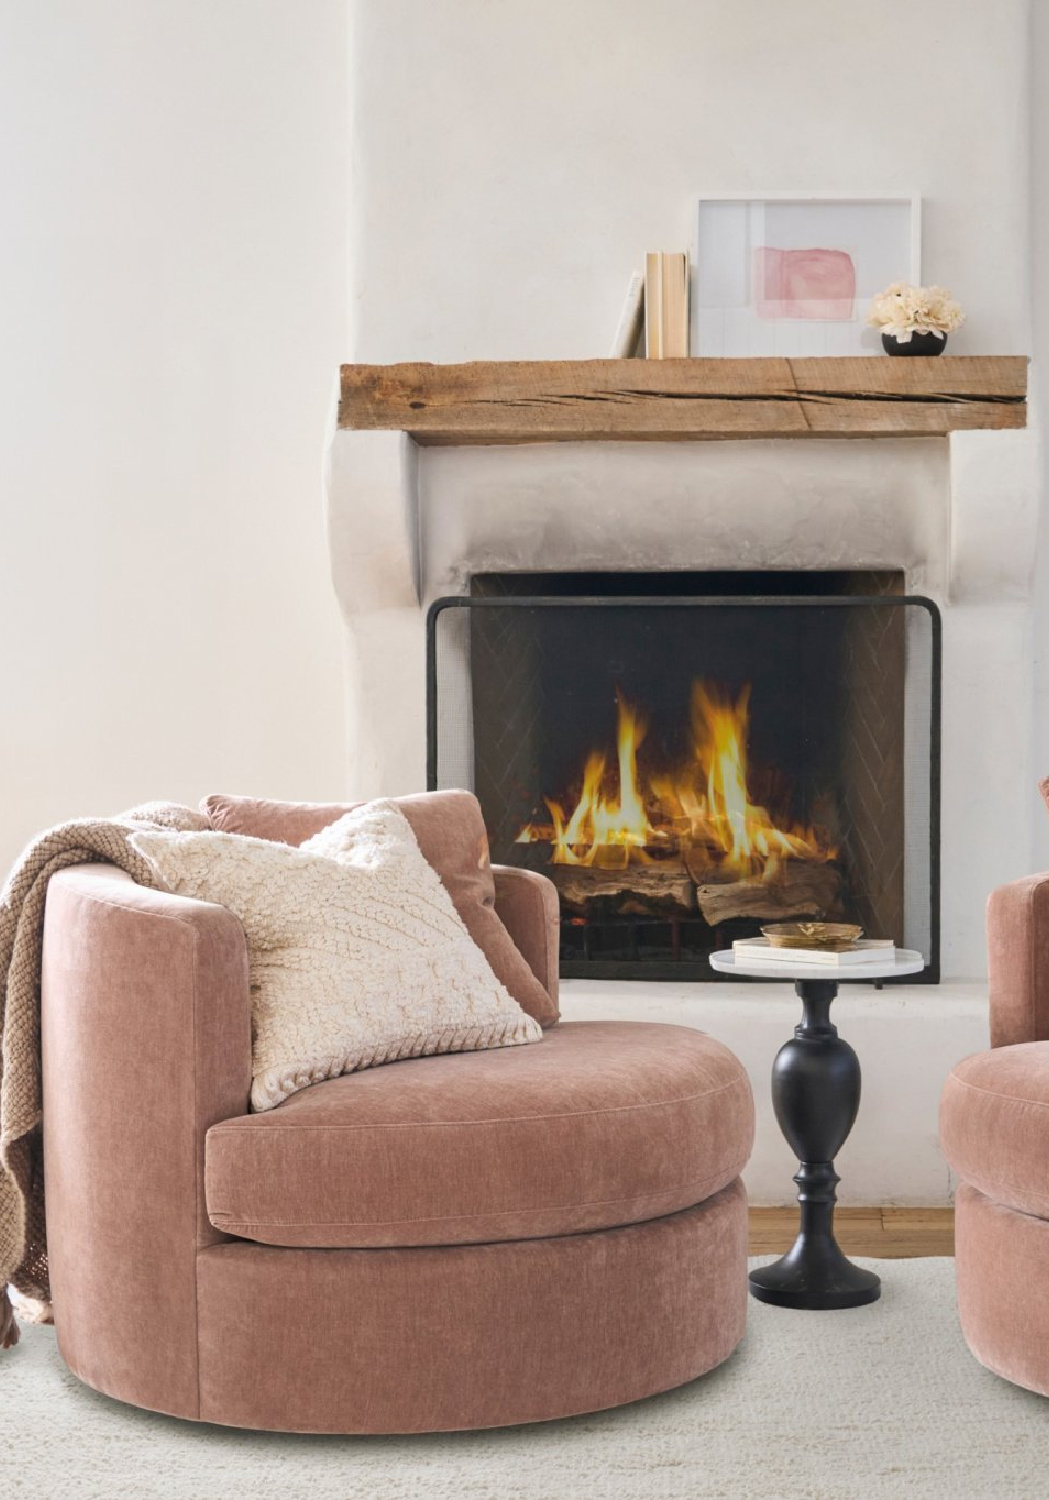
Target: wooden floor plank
[{"x": 891, "y": 1233}]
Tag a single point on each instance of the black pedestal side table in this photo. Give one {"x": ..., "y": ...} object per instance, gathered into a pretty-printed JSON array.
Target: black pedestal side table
[{"x": 816, "y": 1096}]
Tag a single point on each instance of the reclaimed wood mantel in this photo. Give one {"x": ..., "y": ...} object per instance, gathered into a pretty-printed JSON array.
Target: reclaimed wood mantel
[{"x": 672, "y": 400}]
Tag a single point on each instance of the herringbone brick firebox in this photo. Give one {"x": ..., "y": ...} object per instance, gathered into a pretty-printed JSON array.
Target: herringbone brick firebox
[{"x": 691, "y": 755}]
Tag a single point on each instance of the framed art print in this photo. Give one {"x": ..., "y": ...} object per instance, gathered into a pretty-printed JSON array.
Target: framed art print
[{"x": 793, "y": 275}]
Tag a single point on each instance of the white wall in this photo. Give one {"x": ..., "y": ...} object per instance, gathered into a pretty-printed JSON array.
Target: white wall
[
  {"x": 173, "y": 269},
  {"x": 514, "y": 161}
]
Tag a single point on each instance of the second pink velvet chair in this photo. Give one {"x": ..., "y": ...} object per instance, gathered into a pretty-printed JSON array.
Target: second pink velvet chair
[{"x": 994, "y": 1129}]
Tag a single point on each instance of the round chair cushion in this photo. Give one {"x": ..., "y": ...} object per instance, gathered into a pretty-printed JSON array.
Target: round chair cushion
[
  {"x": 994, "y": 1125},
  {"x": 598, "y": 1125}
]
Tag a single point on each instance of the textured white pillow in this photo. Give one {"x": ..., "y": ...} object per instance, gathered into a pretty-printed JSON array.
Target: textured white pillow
[{"x": 357, "y": 955}]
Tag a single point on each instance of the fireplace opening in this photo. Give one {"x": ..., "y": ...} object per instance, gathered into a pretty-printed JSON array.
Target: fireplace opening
[{"x": 692, "y": 756}]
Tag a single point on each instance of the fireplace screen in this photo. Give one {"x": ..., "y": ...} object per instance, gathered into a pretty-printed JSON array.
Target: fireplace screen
[{"x": 689, "y": 768}]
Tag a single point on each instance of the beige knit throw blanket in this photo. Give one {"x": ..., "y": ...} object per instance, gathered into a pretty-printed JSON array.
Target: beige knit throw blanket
[{"x": 23, "y": 1241}]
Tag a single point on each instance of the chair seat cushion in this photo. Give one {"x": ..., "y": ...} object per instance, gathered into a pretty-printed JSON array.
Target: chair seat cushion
[
  {"x": 599, "y": 1124},
  {"x": 994, "y": 1125}
]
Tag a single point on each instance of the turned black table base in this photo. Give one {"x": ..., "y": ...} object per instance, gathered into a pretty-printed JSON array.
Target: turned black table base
[{"x": 816, "y": 1095}]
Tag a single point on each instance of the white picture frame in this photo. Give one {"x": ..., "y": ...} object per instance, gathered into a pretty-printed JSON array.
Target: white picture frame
[{"x": 793, "y": 274}]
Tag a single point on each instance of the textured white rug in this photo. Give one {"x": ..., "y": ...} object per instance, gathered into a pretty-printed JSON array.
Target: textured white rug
[{"x": 883, "y": 1401}]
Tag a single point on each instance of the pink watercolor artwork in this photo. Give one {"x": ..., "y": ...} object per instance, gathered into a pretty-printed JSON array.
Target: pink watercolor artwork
[{"x": 804, "y": 284}]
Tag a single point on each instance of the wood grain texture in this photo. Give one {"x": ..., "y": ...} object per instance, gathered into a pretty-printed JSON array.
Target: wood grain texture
[
  {"x": 892, "y": 1233},
  {"x": 636, "y": 890},
  {"x": 800, "y": 888},
  {"x": 686, "y": 399}
]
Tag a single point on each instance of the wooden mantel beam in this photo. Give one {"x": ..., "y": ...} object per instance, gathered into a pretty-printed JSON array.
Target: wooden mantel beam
[{"x": 672, "y": 400}]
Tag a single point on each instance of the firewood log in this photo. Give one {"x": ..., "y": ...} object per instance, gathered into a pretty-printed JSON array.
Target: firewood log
[
  {"x": 664, "y": 888},
  {"x": 800, "y": 888}
]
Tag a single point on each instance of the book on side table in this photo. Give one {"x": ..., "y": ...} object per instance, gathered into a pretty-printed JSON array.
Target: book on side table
[{"x": 862, "y": 951}]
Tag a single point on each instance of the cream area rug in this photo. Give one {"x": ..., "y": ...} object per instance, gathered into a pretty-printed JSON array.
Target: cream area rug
[{"x": 883, "y": 1401}]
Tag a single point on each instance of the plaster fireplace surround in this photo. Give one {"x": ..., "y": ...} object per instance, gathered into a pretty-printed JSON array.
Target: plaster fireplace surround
[{"x": 954, "y": 518}]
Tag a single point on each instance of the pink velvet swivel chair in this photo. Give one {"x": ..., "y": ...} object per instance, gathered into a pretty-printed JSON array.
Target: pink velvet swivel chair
[{"x": 449, "y": 1242}]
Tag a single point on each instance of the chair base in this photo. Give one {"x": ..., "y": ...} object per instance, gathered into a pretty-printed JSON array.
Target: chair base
[
  {"x": 466, "y": 1336},
  {"x": 1001, "y": 1260}
]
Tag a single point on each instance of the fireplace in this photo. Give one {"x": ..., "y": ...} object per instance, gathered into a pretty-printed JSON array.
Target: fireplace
[{"x": 689, "y": 756}]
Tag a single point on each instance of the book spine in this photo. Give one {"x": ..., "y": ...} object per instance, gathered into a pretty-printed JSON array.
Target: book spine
[
  {"x": 809, "y": 957},
  {"x": 780, "y": 956},
  {"x": 628, "y": 330},
  {"x": 675, "y": 305},
  {"x": 654, "y": 305}
]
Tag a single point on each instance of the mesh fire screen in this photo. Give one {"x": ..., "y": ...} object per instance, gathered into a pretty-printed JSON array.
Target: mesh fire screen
[{"x": 686, "y": 767}]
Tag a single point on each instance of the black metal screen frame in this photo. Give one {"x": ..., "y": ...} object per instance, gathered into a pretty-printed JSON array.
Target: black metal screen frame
[{"x": 668, "y": 970}]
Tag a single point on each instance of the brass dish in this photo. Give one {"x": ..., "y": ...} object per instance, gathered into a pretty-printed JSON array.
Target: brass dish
[{"x": 828, "y": 937}]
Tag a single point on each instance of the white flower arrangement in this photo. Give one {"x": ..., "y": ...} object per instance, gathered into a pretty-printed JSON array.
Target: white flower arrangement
[{"x": 902, "y": 310}]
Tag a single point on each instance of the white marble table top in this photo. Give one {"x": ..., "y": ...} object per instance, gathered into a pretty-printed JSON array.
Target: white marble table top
[{"x": 906, "y": 961}]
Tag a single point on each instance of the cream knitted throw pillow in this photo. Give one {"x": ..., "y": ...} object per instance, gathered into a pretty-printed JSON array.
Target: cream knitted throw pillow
[{"x": 357, "y": 955}]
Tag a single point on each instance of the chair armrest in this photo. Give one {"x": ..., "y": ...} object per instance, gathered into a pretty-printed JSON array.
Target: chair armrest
[
  {"x": 146, "y": 1041},
  {"x": 1018, "y": 961},
  {"x": 527, "y": 905}
]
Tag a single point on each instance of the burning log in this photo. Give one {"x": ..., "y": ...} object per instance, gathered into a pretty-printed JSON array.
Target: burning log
[
  {"x": 663, "y": 889},
  {"x": 799, "y": 888},
  {"x": 662, "y": 845}
]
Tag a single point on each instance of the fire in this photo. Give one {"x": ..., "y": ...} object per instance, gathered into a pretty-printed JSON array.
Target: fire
[
  {"x": 604, "y": 820},
  {"x": 703, "y": 807}
]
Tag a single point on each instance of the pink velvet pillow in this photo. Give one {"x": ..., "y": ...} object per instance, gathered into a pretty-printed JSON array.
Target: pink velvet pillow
[{"x": 450, "y": 832}]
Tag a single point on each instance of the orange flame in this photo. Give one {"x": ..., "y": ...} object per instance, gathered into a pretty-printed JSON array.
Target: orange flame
[
  {"x": 610, "y": 813},
  {"x": 705, "y": 806}
]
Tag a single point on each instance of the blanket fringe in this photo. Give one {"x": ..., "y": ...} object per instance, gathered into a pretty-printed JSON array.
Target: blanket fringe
[
  {"x": 8, "y": 1326},
  {"x": 30, "y": 1309}
]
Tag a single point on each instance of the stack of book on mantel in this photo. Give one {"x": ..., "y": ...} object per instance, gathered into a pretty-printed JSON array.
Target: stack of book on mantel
[
  {"x": 862, "y": 951},
  {"x": 656, "y": 303}
]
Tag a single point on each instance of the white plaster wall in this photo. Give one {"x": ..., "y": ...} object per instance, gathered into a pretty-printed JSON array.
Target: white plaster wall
[
  {"x": 513, "y": 162},
  {"x": 651, "y": 506},
  {"x": 174, "y": 291}
]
